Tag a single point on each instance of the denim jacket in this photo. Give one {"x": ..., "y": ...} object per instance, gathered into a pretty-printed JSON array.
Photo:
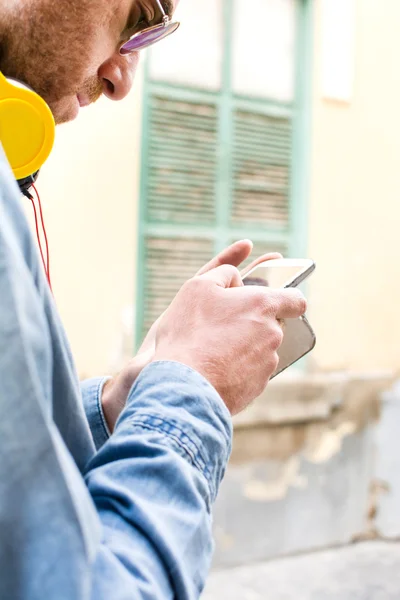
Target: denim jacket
[{"x": 85, "y": 515}]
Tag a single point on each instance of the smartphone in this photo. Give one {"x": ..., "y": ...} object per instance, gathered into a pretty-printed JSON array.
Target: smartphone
[{"x": 299, "y": 338}]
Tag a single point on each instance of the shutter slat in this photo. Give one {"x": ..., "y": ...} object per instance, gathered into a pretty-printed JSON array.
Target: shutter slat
[
  {"x": 280, "y": 136},
  {"x": 162, "y": 103},
  {"x": 178, "y": 201},
  {"x": 186, "y": 121},
  {"x": 176, "y": 163},
  {"x": 183, "y": 137},
  {"x": 186, "y": 175}
]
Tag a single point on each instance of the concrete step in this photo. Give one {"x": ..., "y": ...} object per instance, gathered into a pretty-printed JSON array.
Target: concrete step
[{"x": 367, "y": 571}]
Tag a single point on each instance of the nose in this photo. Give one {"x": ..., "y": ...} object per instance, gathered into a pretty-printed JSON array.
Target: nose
[{"x": 117, "y": 74}]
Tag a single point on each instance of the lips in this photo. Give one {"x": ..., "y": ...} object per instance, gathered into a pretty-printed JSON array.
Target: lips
[{"x": 83, "y": 101}]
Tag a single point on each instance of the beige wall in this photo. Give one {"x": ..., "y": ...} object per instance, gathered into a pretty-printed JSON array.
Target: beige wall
[
  {"x": 89, "y": 189},
  {"x": 354, "y": 212}
]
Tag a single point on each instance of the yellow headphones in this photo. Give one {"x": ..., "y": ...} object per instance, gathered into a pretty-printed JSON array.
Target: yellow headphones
[{"x": 27, "y": 128}]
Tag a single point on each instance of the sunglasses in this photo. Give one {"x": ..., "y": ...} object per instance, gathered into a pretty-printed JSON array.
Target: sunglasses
[{"x": 150, "y": 35}]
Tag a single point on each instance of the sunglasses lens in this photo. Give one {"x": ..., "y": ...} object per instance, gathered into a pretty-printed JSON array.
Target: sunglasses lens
[{"x": 146, "y": 38}]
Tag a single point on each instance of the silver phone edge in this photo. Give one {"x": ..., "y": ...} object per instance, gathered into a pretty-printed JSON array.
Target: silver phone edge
[
  {"x": 300, "y": 278},
  {"x": 314, "y": 341}
]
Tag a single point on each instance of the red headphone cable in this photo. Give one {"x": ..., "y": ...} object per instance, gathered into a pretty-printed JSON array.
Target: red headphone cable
[
  {"x": 46, "y": 263},
  {"x": 45, "y": 236}
]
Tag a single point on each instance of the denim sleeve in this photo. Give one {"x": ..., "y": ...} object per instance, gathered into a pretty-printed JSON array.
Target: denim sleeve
[
  {"x": 91, "y": 390},
  {"x": 131, "y": 521},
  {"x": 153, "y": 483}
]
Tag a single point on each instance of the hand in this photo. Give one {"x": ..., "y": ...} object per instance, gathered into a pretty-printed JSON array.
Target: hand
[
  {"x": 233, "y": 255},
  {"x": 115, "y": 391},
  {"x": 227, "y": 332}
]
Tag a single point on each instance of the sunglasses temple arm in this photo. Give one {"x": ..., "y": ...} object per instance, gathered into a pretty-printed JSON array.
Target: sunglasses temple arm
[{"x": 160, "y": 6}]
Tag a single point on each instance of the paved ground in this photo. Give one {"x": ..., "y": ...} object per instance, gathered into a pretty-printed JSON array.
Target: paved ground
[{"x": 369, "y": 571}]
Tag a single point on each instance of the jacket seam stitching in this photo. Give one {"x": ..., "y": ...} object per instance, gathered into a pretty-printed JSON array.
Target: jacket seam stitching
[{"x": 202, "y": 468}]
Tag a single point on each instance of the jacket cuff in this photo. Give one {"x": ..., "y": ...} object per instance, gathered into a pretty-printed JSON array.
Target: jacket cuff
[{"x": 92, "y": 390}]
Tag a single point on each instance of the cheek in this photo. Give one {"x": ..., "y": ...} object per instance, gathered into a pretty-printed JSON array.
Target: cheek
[
  {"x": 135, "y": 58},
  {"x": 98, "y": 42}
]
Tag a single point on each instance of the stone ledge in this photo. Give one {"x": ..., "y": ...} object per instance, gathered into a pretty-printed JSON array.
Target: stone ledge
[{"x": 297, "y": 399}]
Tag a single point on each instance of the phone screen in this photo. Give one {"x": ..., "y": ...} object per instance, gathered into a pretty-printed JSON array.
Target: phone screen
[{"x": 275, "y": 277}]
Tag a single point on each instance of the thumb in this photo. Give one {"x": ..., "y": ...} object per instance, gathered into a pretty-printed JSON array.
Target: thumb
[
  {"x": 225, "y": 276},
  {"x": 139, "y": 362}
]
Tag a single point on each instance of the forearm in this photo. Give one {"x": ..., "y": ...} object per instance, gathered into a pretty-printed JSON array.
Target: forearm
[{"x": 153, "y": 484}]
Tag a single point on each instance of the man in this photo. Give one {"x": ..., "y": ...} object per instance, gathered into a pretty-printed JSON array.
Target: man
[{"x": 85, "y": 513}]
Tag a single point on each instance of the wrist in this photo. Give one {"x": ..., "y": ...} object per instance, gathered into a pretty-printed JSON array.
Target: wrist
[
  {"x": 108, "y": 405},
  {"x": 198, "y": 364}
]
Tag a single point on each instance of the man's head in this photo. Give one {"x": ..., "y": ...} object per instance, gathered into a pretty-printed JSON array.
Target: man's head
[{"x": 68, "y": 50}]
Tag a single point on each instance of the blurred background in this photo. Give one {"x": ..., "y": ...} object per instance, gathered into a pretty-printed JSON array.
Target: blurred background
[{"x": 278, "y": 121}]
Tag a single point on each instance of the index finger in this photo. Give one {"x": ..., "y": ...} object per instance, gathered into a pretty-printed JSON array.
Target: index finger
[
  {"x": 259, "y": 260},
  {"x": 286, "y": 303}
]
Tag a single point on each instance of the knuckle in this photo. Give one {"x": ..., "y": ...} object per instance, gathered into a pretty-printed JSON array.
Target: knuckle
[
  {"x": 274, "y": 363},
  {"x": 275, "y": 337},
  {"x": 231, "y": 270},
  {"x": 293, "y": 301},
  {"x": 303, "y": 305},
  {"x": 187, "y": 286},
  {"x": 298, "y": 301},
  {"x": 195, "y": 282},
  {"x": 272, "y": 366},
  {"x": 266, "y": 302},
  {"x": 194, "y": 286}
]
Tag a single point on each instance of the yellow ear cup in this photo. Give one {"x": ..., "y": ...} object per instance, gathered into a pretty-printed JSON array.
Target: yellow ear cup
[{"x": 27, "y": 128}]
